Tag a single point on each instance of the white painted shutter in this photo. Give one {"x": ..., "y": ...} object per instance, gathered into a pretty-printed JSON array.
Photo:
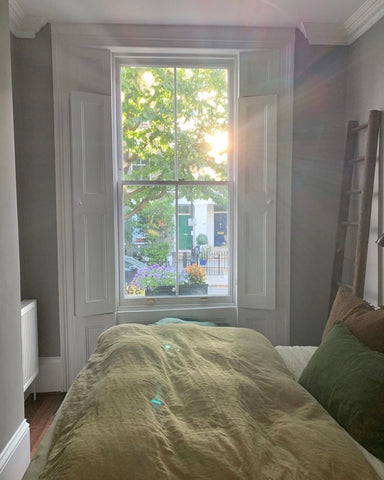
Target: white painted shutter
[
  {"x": 92, "y": 203},
  {"x": 257, "y": 202}
]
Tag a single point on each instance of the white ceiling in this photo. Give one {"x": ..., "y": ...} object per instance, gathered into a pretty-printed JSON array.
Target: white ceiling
[
  {"x": 316, "y": 18},
  {"x": 194, "y": 12}
]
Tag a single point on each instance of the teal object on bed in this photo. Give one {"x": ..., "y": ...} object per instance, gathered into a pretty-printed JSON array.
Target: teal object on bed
[{"x": 172, "y": 320}]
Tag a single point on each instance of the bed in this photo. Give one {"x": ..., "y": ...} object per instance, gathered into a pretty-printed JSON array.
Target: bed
[{"x": 187, "y": 401}]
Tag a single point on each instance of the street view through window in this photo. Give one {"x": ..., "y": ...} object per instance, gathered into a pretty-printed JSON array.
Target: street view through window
[{"x": 175, "y": 180}]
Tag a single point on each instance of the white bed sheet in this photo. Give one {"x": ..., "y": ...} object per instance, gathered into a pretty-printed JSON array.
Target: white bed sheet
[{"x": 296, "y": 358}]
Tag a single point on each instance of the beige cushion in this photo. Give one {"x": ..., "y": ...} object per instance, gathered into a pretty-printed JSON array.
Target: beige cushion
[{"x": 366, "y": 323}]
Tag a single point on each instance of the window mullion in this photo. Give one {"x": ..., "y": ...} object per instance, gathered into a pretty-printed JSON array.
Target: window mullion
[
  {"x": 176, "y": 178},
  {"x": 177, "y": 236},
  {"x": 175, "y": 123}
]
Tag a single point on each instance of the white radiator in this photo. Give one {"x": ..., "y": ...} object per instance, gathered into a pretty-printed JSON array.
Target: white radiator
[{"x": 30, "y": 351}]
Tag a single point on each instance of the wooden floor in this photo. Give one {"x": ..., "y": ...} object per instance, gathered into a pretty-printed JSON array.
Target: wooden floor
[{"x": 39, "y": 414}]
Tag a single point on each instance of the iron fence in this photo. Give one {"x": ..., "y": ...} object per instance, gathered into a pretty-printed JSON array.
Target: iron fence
[{"x": 214, "y": 263}]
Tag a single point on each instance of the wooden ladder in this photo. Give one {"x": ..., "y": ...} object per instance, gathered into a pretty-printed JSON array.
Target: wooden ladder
[{"x": 351, "y": 160}]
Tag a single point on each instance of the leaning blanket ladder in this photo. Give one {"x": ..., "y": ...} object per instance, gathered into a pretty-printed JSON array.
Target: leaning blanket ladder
[{"x": 365, "y": 192}]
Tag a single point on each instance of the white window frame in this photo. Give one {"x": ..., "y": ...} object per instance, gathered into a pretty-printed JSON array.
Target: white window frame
[{"x": 198, "y": 60}]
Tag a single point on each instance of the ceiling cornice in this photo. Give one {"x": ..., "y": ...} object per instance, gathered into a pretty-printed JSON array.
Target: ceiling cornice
[
  {"x": 364, "y": 18},
  {"x": 27, "y": 26},
  {"x": 324, "y": 33},
  {"x": 22, "y": 25},
  {"x": 344, "y": 34}
]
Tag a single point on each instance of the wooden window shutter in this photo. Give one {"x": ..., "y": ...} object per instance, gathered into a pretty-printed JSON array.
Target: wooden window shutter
[{"x": 92, "y": 204}]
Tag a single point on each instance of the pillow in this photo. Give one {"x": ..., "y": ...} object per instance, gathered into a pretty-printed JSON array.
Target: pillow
[
  {"x": 346, "y": 305},
  {"x": 366, "y": 323},
  {"x": 347, "y": 378},
  {"x": 369, "y": 329}
]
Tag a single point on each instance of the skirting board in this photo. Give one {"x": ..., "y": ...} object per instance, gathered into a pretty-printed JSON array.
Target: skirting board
[
  {"x": 51, "y": 375},
  {"x": 14, "y": 459}
]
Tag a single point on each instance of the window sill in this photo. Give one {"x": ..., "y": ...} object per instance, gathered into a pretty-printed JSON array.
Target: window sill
[{"x": 223, "y": 315}]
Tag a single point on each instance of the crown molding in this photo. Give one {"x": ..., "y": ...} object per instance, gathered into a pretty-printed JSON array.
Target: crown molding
[
  {"x": 27, "y": 26},
  {"x": 363, "y": 19},
  {"x": 22, "y": 25},
  {"x": 344, "y": 34},
  {"x": 324, "y": 33}
]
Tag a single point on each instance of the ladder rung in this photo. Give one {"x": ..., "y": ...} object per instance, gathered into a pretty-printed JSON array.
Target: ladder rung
[
  {"x": 349, "y": 224},
  {"x": 352, "y": 192},
  {"x": 356, "y": 160},
  {"x": 360, "y": 127}
]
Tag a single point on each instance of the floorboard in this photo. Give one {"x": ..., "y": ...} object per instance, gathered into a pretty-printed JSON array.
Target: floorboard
[{"x": 39, "y": 414}]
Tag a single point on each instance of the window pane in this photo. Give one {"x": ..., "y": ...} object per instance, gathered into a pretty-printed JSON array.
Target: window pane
[
  {"x": 149, "y": 238},
  {"x": 148, "y": 133},
  {"x": 203, "y": 240},
  {"x": 152, "y": 263},
  {"x": 202, "y": 123}
]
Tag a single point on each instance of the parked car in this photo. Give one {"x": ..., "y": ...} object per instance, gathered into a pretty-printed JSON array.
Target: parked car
[{"x": 131, "y": 265}]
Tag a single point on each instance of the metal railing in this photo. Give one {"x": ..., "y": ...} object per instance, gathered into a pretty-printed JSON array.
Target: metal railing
[{"x": 214, "y": 263}]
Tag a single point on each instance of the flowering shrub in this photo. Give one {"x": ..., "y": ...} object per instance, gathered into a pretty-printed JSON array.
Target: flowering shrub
[
  {"x": 134, "y": 290},
  {"x": 194, "y": 274},
  {"x": 153, "y": 276}
]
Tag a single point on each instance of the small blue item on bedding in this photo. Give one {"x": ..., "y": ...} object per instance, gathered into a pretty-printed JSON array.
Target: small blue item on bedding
[
  {"x": 156, "y": 402},
  {"x": 171, "y": 320}
]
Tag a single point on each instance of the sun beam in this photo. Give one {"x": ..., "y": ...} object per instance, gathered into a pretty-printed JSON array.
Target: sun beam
[{"x": 219, "y": 146}]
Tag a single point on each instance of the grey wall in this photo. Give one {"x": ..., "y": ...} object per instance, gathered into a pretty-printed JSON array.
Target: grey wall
[
  {"x": 319, "y": 132},
  {"x": 36, "y": 194},
  {"x": 318, "y": 148},
  {"x": 365, "y": 91},
  {"x": 11, "y": 380}
]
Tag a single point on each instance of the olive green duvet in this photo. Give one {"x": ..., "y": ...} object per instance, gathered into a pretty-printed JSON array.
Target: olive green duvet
[{"x": 190, "y": 402}]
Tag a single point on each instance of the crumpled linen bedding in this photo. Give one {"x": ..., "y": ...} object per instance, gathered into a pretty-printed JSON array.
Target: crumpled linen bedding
[{"x": 186, "y": 402}]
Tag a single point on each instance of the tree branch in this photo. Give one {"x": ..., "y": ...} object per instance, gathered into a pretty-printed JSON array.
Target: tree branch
[{"x": 143, "y": 204}]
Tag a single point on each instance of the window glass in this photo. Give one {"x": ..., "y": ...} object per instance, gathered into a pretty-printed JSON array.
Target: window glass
[
  {"x": 148, "y": 123},
  {"x": 175, "y": 181},
  {"x": 149, "y": 238},
  {"x": 202, "y": 259},
  {"x": 202, "y": 123}
]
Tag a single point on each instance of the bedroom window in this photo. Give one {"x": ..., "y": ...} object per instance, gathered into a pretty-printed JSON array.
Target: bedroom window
[{"x": 175, "y": 179}]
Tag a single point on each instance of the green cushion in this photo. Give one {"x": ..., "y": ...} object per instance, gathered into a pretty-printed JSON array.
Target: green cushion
[{"x": 347, "y": 378}]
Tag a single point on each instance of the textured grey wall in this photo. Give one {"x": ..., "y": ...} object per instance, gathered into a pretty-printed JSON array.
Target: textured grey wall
[
  {"x": 365, "y": 91},
  {"x": 11, "y": 380},
  {"x": 318, "y": 147},
  {"x": 36, "y": 193}
]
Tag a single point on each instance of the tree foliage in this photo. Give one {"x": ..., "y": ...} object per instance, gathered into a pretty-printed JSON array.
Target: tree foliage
[
  {"x": 174, "y": 126},
  {"x": 156, "y": 222}
]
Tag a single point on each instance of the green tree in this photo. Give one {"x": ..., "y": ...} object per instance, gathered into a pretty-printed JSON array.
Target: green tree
[
  {"x": 156, "y": 222},
  {"x": 172, "y": 119}
]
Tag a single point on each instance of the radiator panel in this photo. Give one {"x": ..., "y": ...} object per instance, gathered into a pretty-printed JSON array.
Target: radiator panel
[{"x": 29, "y": 342}]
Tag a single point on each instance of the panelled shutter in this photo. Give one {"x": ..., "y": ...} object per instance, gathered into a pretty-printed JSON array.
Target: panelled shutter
[
  {"x": 257, "y": 202},
  {"x": 92, "y": 204}
]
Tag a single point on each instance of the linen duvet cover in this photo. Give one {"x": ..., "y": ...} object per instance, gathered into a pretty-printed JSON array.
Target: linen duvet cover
[{"x": 186, "y": 402}]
